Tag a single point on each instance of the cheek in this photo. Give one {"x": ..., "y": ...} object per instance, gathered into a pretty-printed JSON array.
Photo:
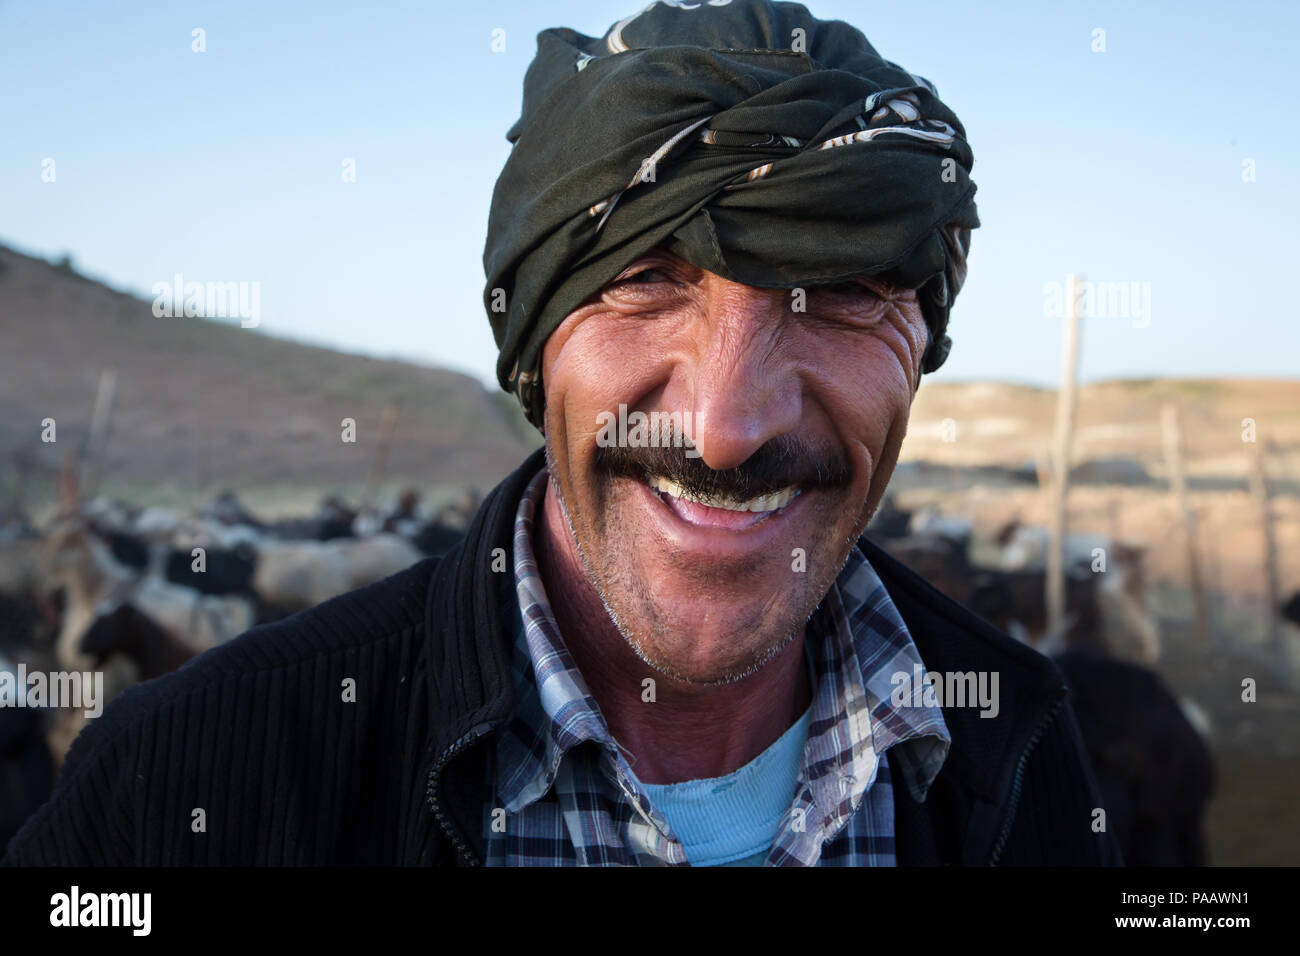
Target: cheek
[
  {"x": 865, "y": 387},
  {"x": 596, "y": 365},
  {"x": 589, "y": 368}
]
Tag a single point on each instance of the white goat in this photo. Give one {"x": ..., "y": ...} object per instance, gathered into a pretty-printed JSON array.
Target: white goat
[
  {"x": 299, "y": 574},
  {"x": 95, "y": 582}
]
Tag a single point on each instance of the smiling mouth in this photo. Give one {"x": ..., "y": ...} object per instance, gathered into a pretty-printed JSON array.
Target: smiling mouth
[
  {"x": 773, "y": 502},
  {"x": 720, "y": 511}
]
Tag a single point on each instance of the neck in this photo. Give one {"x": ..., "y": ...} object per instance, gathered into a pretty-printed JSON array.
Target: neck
[{"x": 689, "y": 731}]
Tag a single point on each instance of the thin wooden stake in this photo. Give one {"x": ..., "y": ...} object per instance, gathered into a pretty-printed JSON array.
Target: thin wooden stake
[
  {"x": 1213, "y": 577},
  {"x": 387, "y": 425},
  {"x": 1178, "y": 486},
  {"x": 1064, "y": 436},
  {"x": 97, "y": 439},
  {"x": 1262, "y": 494}
]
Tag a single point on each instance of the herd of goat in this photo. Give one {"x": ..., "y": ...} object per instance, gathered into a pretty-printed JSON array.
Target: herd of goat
[
  {"x": 199, "y": 580},
  {"x": 137, "y": 593}
]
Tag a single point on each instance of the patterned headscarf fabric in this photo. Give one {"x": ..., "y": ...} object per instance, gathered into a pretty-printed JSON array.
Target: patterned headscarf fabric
[{"x": 751, "y": 139}]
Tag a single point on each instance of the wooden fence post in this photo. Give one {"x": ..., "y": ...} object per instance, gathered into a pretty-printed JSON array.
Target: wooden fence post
[
  {"x": 1178, "y": 485},
  {"x": 1260, "y": 491},
  {"x": 92, "y": 450},
  {"x": 387, "y": 425},
  {"x": 1065, "y": 414},
  {"x": 1212, "y": 576}
]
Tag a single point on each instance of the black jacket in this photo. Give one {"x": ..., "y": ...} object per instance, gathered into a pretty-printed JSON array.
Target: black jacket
[{"x": 251, "y": 754}]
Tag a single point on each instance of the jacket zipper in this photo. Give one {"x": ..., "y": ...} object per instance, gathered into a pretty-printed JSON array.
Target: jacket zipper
[
  {"x": 431, "y": 791},
  {"x": 1019, "y": 779}
]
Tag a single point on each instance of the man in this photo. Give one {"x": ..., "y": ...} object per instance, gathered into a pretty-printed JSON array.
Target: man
[{"x": 739, "y": 220}]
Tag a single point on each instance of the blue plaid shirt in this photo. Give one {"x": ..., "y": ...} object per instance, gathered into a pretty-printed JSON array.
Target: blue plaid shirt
[{"x": 565, "y": 794}]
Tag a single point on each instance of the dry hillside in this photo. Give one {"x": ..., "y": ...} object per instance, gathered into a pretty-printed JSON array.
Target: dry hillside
[{"x": 203, "y": 405}]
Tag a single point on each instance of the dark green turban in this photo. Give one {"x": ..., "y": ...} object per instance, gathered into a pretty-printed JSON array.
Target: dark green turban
[{"x": 752, "y": 139}]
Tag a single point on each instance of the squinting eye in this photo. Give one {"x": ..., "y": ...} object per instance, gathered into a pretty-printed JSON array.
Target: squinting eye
[
  {"x": 850, "y": 287},
  {"x": 645, "y": 277}
]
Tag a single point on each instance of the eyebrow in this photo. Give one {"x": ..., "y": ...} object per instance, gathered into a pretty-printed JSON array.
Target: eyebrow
[{"x": 661, "y": 251}]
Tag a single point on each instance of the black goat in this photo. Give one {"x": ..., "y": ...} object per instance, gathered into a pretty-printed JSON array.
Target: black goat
[
  {"x": 435, "y": 539},
  {"x": 1154, "y": 770},
  {"x": 226, "y": 571},
  {"x": 127, "y": 549},
  {"x": 128, "y": 630},
  {"x": 1001, "y": 597},
  {"x": 1291, "y": 609}
]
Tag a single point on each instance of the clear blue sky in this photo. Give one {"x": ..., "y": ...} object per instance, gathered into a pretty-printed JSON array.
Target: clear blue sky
[{"x": 1124, "y": 165}]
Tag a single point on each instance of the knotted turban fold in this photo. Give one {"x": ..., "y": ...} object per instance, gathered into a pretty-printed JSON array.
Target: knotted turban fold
[{"x": 752, "y": 139}]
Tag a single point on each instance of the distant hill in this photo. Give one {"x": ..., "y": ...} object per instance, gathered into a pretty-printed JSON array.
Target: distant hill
[
  {"x": 993, "y": 423},
  {"x": 203, "y": 405}
]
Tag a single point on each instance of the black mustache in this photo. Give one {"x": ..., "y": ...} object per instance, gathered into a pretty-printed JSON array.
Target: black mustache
[{"x": 779, "y": 463}]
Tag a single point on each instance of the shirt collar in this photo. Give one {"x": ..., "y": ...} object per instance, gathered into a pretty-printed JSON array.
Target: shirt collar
[{"x": 857, "y": 644}]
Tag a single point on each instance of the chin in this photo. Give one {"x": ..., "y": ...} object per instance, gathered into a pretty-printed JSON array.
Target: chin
[
  {"x": 704, "y": 637},
  {"x": 712, "y": 660}
]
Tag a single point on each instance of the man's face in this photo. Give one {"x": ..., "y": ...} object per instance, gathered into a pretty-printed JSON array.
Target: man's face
[{"x": 796, "y": 416}]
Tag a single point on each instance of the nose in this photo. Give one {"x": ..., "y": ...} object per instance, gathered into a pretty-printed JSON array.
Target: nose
[{"x": 742, "y": 387}]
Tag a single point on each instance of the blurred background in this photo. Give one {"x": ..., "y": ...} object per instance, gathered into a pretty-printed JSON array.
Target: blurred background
[{"x": 302, "y": 194}]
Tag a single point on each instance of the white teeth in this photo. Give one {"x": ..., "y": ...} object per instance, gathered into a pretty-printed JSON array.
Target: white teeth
[{"x": 778, "y": 499}]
